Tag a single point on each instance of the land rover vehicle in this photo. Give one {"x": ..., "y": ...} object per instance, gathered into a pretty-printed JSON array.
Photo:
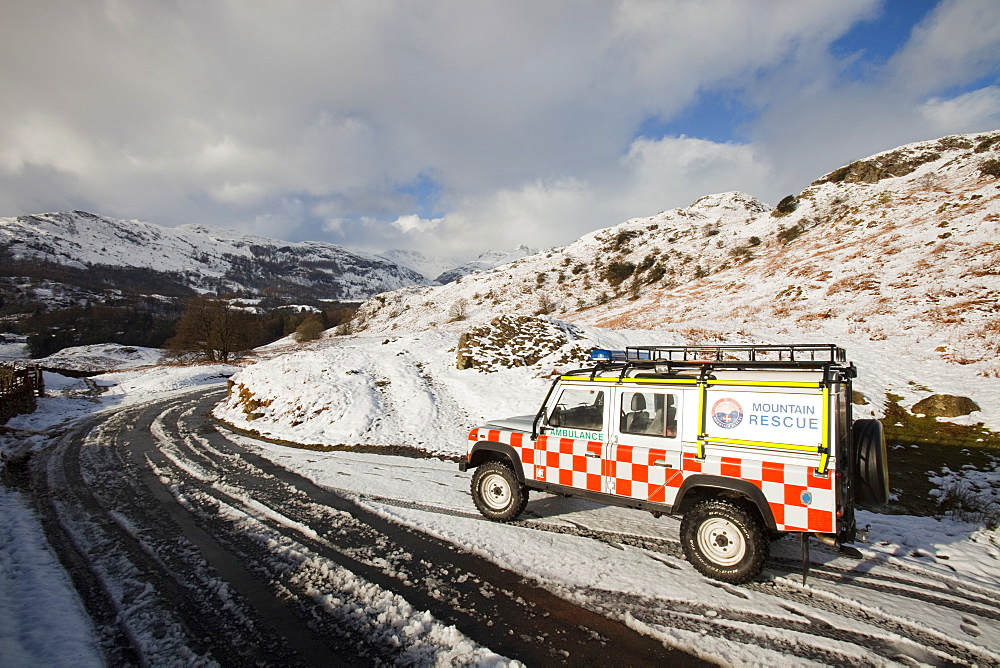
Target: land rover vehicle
[{"x": 747, "y": 443}]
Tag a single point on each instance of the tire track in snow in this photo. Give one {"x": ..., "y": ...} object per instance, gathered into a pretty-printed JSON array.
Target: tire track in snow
[
  {"x": 497, "y": 606},
  {"x": 939, "y": 646},
  {"x": 155, "y": 582}
]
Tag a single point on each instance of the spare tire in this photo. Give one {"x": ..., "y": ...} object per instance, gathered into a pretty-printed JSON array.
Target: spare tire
[{"x": 871, "y": 469}]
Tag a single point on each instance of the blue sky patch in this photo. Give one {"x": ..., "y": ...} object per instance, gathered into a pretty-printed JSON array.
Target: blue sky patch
[
  {"x": 426, "y": 192},
  {"x": 874, "y": 42},
  {"x": 717, "y": 116}
]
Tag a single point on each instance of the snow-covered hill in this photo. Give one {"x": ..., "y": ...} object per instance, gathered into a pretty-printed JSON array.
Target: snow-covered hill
[
  {"x": 428, "y": 266},
  {"x": 904, "y": 245},
  {"x": 895, "y": 257},
  {"x": 82, "y": 247},
  {"x": 489, "y": 260}
]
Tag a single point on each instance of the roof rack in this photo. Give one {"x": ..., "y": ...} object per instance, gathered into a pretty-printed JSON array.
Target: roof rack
[
  {"x": 824, "y": 353},
  {"x": 749, "y": 356}
]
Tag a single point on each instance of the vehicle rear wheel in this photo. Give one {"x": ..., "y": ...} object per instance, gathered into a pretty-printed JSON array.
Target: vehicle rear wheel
[
  {"x": 871, "y": 480},
  {"x": 497, "y": 492},
  {"x": 724, "y": 541}
]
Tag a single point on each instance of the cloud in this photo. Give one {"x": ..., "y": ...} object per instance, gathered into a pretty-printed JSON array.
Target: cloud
[
  {"x": 980, "y": 108},
  {"x": 414, "y": 223},
  {"x": 958, "y": 43},
  {"x": 454, "y": 125}
]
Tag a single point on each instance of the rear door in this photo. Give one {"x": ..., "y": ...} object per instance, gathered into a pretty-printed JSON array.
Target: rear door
[{"x": 645, "y": 454}]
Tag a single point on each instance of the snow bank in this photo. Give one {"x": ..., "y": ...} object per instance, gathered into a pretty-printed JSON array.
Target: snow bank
[
  {"x": 398, "y": 390},
  {"x": 102, "y": 357}
]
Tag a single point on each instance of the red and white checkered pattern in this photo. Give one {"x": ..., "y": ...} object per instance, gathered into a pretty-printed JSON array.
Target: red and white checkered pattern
[
  {"x": 564, "y": 461},
  {"x": 633, "y": 473},
  {"x": 783, "y": 486},
  {"x": 636, "y": 474}
]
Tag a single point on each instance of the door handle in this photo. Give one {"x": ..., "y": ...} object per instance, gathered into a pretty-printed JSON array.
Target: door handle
[
  {"x": 663, "y": 463},
  {"x": 593, "y": 455}
]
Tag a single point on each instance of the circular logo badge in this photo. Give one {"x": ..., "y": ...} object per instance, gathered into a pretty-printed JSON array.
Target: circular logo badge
[{"x": 727, "y": 413}]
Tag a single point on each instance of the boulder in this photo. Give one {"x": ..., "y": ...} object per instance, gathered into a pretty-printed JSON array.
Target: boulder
[{"x": 944, "y": 405}]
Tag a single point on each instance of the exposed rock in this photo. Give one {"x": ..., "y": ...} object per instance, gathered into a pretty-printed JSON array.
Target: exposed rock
[
  {"x": 944, "y": 405},
  {"x": 510, "y": 341},
  {"x": 786, "y": 206},
  {"x": 873, "y": 170}
]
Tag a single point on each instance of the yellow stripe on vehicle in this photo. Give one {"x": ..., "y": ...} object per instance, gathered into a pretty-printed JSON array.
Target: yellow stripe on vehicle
[
  {"x": 702, "y": 400},
  {"x": 691, "y": 381},
  {"x": 766, "y": 383},
  {"x": 763, "y": 444},
  {"x": 615, "y": 379},
  {"x": 824, "y": 459}
]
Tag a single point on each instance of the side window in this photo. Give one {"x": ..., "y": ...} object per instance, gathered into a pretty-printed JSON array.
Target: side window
[
  {"x": 579, "y": 409},
  {"x": 649, "y": 414}
]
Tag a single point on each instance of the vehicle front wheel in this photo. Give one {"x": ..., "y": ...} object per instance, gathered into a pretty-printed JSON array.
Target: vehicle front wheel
[
  {"x": 724, "y": 541},
  {"x": 497, "y": 492}
]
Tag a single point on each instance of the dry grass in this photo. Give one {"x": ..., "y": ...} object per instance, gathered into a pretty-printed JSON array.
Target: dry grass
[
  {"x": 963, "y": 503},
  {"x": 701, "y": 336},
  {"x": 855, "y": 283}
]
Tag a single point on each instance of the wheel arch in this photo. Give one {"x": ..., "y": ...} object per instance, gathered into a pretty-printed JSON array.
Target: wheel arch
[
  {"x": 485, "y": 451},
  {"x": 702, "y": 487}
]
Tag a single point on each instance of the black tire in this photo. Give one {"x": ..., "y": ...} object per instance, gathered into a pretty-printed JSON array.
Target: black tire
[
  {"x": 871, "y": 471},
  {"x": 497, "y": 492},
  {"x": 724, "y": 541}
]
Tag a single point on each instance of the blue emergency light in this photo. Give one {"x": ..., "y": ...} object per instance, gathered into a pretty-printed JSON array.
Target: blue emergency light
[{"x": 599, "y": 355}]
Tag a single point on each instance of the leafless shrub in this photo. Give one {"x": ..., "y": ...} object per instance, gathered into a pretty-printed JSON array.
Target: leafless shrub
[
  {"x": 459, "y": 310},
  {"x": 959, "y": 501},
  {"x": 310, "y": 330},
  {"x": 545, "y": 305}
]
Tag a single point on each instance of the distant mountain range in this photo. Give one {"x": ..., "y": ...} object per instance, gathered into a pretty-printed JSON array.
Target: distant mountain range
[
  {"x": 485, "y": 262},
  {"x": 445, "y": 271},
  {"x": 80, "y": 250},
  {"x": 71, "y": 256}
]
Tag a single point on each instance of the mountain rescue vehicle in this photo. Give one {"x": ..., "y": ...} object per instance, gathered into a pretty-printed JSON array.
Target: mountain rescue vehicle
[{"x": 746, "y": 442}]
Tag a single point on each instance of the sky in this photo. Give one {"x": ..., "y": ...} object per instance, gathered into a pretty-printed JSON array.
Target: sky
[{"x": 453, "y": 127}]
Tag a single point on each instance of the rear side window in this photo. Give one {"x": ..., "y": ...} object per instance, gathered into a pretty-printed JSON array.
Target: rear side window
[
  {"x": 648, "y": 414},
  {"x": 579, "y": 409}
]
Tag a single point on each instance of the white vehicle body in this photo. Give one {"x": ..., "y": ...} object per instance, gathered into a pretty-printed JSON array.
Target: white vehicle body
[{"x": 766, "y": 430}]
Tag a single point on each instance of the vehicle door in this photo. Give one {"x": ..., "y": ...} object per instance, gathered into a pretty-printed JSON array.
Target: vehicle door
[
  {"x": 573, "y": 442},
  {"x": 645, "y": 453}
]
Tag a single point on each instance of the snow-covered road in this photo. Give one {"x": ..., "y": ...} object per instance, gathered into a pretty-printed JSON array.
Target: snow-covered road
[
  {"x": 187, "y": 546},
  {"x": 191, "y": 543}
]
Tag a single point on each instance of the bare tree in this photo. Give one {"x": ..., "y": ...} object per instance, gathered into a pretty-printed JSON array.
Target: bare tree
[
  {"x": 213, "y": 329},
  {"x": 310, "y": 329}
]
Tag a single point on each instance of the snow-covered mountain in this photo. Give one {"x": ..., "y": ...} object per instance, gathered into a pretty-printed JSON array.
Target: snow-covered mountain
[
  {"x": 79, "y": 247},
  {"x": 489, "y": 260},
  {"x": 905, "y": 243},
  {"x": 428, "y": 266},
  {"x": 895, "y": 257}
]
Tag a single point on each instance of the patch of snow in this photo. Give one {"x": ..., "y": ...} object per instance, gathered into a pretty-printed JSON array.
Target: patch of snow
[
  {"x": 101, "y": 357},
  {"x": 43, "y": 620}
]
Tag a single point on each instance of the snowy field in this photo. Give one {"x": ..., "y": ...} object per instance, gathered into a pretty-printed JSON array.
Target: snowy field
[{"x": 407, "y": 391}]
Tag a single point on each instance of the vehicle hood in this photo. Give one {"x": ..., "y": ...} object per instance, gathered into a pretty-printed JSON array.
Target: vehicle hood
[{"x": 516, "y": 423}]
